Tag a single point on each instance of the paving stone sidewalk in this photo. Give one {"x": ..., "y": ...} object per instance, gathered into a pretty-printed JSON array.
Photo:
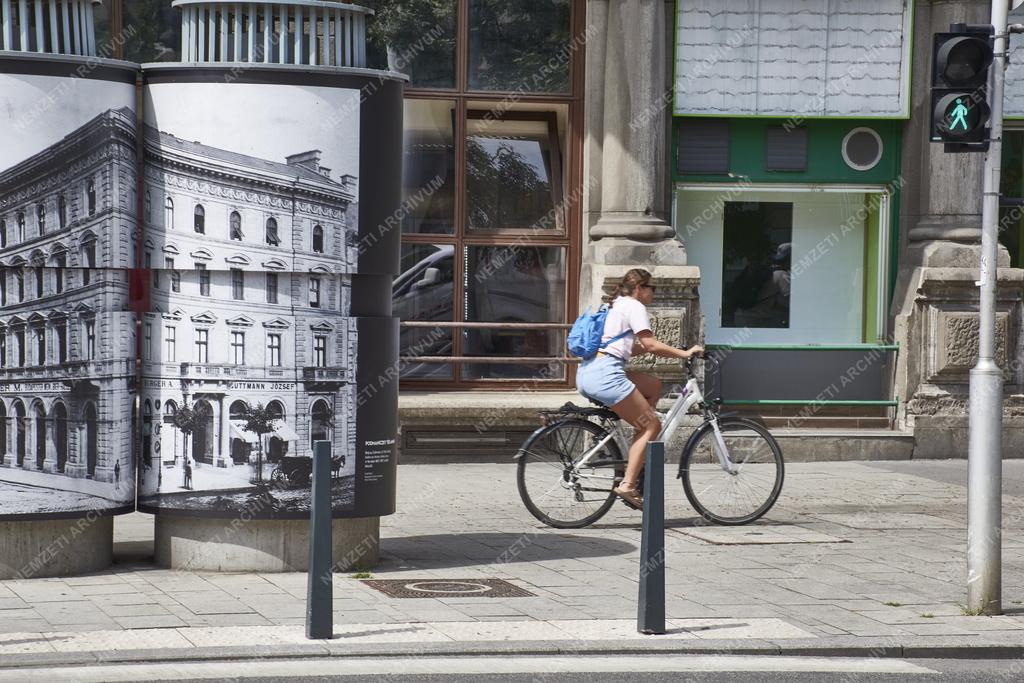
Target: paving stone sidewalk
[{"x": 853, "y": 552}]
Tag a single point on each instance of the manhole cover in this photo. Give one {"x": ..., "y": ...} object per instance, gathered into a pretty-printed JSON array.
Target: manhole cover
[{"x": 447, "y": 588}]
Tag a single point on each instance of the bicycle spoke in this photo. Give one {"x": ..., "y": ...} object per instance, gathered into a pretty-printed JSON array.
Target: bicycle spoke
[
  {"x": 734, "y": 497},
  {"x": 558, "y": 493}
]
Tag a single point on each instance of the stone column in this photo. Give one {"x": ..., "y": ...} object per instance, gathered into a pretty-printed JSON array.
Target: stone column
[
  {"x": 626, "y": 161},
  {"x": 224, "y": 443},
  {"x": 936, "y": 299}
]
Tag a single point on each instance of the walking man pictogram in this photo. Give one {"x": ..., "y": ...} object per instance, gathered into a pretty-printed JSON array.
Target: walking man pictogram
[{"x": 959, "y": 115}]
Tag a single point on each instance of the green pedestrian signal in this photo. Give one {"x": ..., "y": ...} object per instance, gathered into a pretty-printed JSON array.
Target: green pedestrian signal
[
  {"x": 960, "y": 64},
  {"x": 958, "y": 116}
]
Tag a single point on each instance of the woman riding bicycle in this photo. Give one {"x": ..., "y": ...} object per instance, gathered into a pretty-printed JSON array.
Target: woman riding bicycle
[{"x": 632, "y": 395}]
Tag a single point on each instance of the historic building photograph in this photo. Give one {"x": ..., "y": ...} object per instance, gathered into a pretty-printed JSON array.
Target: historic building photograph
[
  {"x": 67, "y": 342},
  {"x": 248, "y": 351}
]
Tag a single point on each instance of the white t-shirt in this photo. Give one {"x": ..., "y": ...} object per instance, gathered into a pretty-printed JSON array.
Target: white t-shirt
[{"x": 626, "y": 314}]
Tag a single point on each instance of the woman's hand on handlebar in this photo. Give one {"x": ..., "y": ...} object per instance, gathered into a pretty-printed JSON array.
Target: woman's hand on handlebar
[{"x": 694, "y": 351}]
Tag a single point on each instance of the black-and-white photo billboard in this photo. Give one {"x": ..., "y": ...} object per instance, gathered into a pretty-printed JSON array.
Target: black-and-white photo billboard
[
  {"x": 253, "y": 245},
  {"x": 67, "y": 237}
]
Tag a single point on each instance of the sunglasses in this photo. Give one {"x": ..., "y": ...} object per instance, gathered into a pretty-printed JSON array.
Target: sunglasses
[{"x": 650, "y": 287}]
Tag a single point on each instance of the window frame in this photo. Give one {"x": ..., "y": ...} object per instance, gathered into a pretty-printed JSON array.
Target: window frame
[
  {"x": 272, "y": 276},
  {"x": 237, "y": 345},
  {"x": 570, "y": 177},
  {"x": 237, "y": 284},
  {"x": 274, "y": 349},
  {"x": 202, "y": 345},
  {"x": 320, "y": 350}
]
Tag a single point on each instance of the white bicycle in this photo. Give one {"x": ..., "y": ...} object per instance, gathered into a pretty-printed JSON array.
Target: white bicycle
[{"x": 731, "y": 466}]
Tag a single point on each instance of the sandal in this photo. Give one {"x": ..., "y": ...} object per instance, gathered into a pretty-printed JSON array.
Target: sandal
[{"x": 631, "y": 496}]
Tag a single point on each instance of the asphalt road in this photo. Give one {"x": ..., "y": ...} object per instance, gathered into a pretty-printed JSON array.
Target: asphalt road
[{"x": 638, "y": 669}]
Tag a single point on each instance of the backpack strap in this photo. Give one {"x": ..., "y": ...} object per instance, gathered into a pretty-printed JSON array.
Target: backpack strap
[{"x": 615, "y": 339}]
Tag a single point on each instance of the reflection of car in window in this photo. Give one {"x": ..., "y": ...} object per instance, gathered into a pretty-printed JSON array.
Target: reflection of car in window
[
  {"x": 504, "y": 284},
  {"x": 425, "y": 292},
  {"x": 511, "y": 286}
]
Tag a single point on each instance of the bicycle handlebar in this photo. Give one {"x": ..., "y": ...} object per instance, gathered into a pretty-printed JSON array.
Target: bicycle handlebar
[{"x": 688, "y": 363}]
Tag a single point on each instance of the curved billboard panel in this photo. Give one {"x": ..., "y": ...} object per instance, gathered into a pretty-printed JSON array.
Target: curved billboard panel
[
  {"x": 67, "y": 239},
  {"x": 268, "y": 251}
]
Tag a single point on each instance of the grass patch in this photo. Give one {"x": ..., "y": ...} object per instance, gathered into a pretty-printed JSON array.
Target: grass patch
[
  {"x": 968, "y": 612},
  {"x": 927, "y": 615},
  {"x": 893, "y": 604},
  {"x": 362, "y": 575}
]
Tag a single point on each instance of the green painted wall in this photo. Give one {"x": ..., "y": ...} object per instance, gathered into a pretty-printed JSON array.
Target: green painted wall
[
  {"x": 871, "y": 268},
  {"x": 824, "y": 158},
  {"x": 825, "y": 165}
]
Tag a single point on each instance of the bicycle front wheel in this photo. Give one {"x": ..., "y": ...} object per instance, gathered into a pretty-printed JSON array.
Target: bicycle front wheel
[
  {"x": 553, "y": 488},
  {"x": 746, "y": 493}
]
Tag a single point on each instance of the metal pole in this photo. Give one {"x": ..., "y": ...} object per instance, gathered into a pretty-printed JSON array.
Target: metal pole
[
  {"x": 651, "y": 604},
  {"x": 319, "y": 608},
  {"x": 984, "y": 459}
]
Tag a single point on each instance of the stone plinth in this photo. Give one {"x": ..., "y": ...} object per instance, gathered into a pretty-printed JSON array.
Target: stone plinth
[
  {"x": 937, "y": 328},
  {"x": 35, "y": 549},
  {"x": 238, "y": 545}
]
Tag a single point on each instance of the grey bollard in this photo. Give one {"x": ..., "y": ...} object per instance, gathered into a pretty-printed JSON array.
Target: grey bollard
[
  {"x": 319, "y": 596},
  {"x": 651, "y": 603}
]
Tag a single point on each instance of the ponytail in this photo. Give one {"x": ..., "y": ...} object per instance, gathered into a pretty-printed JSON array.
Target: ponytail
[{"x": 628, "y": 285}]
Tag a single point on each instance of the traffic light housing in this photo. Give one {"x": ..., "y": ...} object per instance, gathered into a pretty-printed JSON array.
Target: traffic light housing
[{"x": 961, "y": 60}]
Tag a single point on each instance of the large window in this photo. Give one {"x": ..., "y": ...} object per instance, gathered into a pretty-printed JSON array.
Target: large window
[
  {"x": 271, "y": 288},
  {"x": 202, "y": 346},
  {"x": 320, "y": 351},
  {"x": 199, "y": 219},
  {"x": 314, "y": 292},
  {"x": 756, "y": 242},
  {"x": 237, "y": 284},
  {"x": 204, "y": 279},
  {"x": 788, "y": 265},
  {"x": 236, "y": 226},
  {"x": 238, "y": 348},
  {"x": 274, "y": 350},
  {"x": 90, "y": 339},
  {"x": 170, "y": 340},
  {"x": 491, "y": 185}
]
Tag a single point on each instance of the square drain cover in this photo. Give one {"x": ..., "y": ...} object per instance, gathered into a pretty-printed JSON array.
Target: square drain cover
[{"x": 447, "y": 588}]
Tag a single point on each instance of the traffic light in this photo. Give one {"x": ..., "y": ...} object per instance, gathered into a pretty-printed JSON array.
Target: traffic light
[{"x": 960, "y": 64}]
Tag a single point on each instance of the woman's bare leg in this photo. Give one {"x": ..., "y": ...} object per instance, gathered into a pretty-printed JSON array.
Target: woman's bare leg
[
  {"x": 649, "y": 386},
  {"x": 636, "y": 410}
]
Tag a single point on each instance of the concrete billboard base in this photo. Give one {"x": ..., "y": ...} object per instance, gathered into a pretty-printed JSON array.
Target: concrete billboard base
[
  {"x": 35, "y": 549},
  {"x": 259, "y": 545}
]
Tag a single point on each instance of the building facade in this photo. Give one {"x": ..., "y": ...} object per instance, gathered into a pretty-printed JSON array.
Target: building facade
[
  {"x": 250, "y": 263},
  {"x": 768, "y": 161},
  {"x": 67, "y": 341}
]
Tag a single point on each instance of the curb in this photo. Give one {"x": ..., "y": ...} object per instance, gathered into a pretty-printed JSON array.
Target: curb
[{"x": 337, "y": 648}]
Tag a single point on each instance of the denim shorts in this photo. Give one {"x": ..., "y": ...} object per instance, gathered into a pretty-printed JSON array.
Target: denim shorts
[{"x": 603, "y": 379}]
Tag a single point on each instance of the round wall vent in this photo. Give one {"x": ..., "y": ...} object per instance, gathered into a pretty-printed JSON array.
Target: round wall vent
[{"x": 862, "y": 149}]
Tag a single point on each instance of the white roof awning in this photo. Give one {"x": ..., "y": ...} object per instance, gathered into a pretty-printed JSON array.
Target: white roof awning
[
  {"x": 284, "y": 432},
  {"x": 238, "y": 433}
]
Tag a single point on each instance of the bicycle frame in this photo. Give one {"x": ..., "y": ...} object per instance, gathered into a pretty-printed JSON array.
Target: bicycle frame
[{"x": 689, "y": 396}]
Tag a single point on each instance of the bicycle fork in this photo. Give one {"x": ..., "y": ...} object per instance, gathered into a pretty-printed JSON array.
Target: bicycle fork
[{"x": 721, "y": 450}]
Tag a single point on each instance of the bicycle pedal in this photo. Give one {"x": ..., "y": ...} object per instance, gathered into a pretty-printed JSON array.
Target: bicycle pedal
[{"x": 629, "y": 505}]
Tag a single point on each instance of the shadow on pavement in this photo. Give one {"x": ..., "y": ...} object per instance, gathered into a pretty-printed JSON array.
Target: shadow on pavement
[{"x": 457, "y": 550}]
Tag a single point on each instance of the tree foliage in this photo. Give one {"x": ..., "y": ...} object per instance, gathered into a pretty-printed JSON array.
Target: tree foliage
[
  {"x": 504, "y": 190},
  {"x": 259, "y": 420},
  {"x": 513, "y": 44}
]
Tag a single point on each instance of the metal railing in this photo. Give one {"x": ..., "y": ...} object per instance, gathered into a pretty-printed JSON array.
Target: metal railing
[
  {"x": 522, "y": 360},
  {"x": 56, "y": 27},
  {"x": 307, "y": 32}
]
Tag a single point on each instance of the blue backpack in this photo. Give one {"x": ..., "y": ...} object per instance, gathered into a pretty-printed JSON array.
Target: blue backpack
[{"x": 584, "y": 339}]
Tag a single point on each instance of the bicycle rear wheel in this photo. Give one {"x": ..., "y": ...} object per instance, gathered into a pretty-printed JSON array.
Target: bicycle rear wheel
[
  {"x": 748, "y": 493},
  {"x": 551, "y": 488}
]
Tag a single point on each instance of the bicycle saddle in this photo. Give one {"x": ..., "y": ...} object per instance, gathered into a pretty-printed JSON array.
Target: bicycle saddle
[{"x": 600, "y": 411}]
